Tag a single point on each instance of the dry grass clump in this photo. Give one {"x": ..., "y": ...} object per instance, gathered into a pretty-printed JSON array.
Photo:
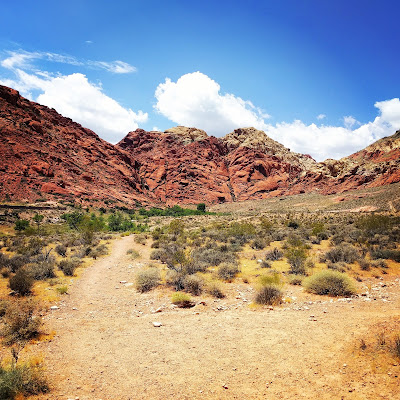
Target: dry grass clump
[
  {"x": 147, "y": 279},
  {"x": 193, "y": 284},
  {"x": 331, "y": 283},
  {"x": 182, "y": 300}
]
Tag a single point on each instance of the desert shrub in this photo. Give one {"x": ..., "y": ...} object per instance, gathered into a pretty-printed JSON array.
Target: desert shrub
[
  {"x": 22, "y": 379},
  {"x": 268, "y": 295},
  {"x": 61, "y": 250},
  {"x": 339, "y": 266},
  {"x": 265, "y": 264},
  {"x": 274, "y": 255},
  {"x": 227, "y": 271},
  {"x": 396, "y": 346},
  {"x": 175, "y": 279},
  {"x": 181, "y": 299},
  {"x": 133, "y": 253},
  {"x": 293, "y": 224},
  {"x": 379, "y": 263},
  {"x": 259, "y": 243},
  {"x": 3, "y": 307},
  {"x": 193, "y": 284},
  {"x": 270, "y": 279},
  {"x": 21, "y": 282},
  {"x": 21, "y": 224},
  {"x": 213, "y": 256},
  {"x": 365, "y": 265},
  {"x": 386, "y": 254},
  {"x": 100, "y": 250},
  {"x": 242, "y": 232},
  {"x": 332, "y": 283},
  {"x": 62, "y": 289},
  {"x": 16, "y": 262},
  {"x": 69, "y": 266},
  {"x": 296, "y": 257},
  {"x": 141, "y": 239},
  {"x": 214, "y": 289},
  {"x": 344, "y": 253},
  {"x": 147, "y": 279},
  {"x": 42, "y": 270},
  {"x": 21, "y": 322},
  {"x": 295, "y": 279},
  {"x": 158, "y": 254}
]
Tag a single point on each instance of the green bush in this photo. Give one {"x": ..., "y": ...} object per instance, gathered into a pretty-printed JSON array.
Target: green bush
[
  {"x": 21, "y": 282},
  {"x": 182, "y": 300},
  {"x": 270, "y": 279},
  {"x": 147, "y": 279},
  {"x": 25, "y": 379},
  {"x": 21, "y": 224},
  {"x": 268, "y": 295},
  {"x": 331, "y": 283}
]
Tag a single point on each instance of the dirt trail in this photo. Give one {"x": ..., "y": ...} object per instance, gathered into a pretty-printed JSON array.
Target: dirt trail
[{"x": 107, "y": 348}]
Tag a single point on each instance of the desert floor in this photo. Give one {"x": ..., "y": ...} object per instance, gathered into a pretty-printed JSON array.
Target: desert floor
[{"x": 106, "y": 346}]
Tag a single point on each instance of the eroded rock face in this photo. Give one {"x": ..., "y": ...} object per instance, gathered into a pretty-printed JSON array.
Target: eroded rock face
[{"x": 46, "y": 155}]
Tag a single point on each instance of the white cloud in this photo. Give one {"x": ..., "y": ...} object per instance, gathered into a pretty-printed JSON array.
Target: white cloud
[
  {"x": 73, "y": 95},
  {"x": 24, "y": 60},
  {"x": 350, "y": 121},
  {"x": 116, "y": 67},
  {"x": 195, "y": 100}
]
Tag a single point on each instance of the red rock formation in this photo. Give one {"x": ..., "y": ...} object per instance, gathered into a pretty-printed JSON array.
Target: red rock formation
[{"x": 46, "y": 155}]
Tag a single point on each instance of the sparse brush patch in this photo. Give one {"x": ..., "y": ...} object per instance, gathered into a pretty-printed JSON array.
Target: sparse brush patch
[
  {"x": 193, "y": 284},
  {"x": 21, "y": 282},
  {"x": 182, "y": 300},
  {"x": 228, "y": 271},
  {"x": 379, "y": 263},
  {"x": 331, "y": 283},
  {"x": 22, "y": 379},
  {"x": 365, "y": 265},
  {"x": 214, "y": 289},
  {"x": 259, "y": 243},
  {"x": 210, "y": 257},
  {"x": 270, "y": 279},
  {"x": 265, "y": 264},
  {"x": 134, "y": 254},
  {"x": 21, "y": 322},
  {"x": 42, "y": 270},
  {"x": 269, "y": 295},
  {"x": 274, "y": 255},
  {"x": 100, "y": 250},
  {"x": 396, "y": 346},
  {"x": 3, "y": 307},
  {"x": 141, "y": 239},
  {"x": 61, "y": 250},
  {"x": 339, "y": 266},
  {"x": 295, "y": 279},
  {"x": 69, "y": 266},
  {"x": 147, "y": 279},
  {"x": 342, "y": 253}
]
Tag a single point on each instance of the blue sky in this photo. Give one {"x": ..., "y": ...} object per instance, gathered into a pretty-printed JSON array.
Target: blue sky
[{"x": 321, "y": 77}]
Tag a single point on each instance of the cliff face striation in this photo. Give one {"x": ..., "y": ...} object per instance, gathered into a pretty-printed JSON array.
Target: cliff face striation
[{"x": 44, "y": 154}]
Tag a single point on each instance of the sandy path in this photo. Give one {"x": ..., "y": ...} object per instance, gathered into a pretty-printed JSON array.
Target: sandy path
[{"x": 109, "y": 349}]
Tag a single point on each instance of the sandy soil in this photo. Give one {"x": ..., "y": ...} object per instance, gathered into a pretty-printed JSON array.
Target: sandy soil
[{"x": 106, "y": 346}]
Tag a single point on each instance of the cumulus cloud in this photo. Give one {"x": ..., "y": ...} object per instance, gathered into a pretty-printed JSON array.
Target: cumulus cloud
[
  {"x": 195, "y": 100},
  {"x": 73, "y": 95}
]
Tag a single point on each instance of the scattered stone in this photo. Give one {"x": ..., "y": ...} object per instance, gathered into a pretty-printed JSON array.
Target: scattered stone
[
  {"x": 54, "y": 308},
  {"x": 123, "y": 282},
  {"x": 128, "y": 284},
  {"x": 225, "y": 386},
  {"x": 157, "y": 324}
]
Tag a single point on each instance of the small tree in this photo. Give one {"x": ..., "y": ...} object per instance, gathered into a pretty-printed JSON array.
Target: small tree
[
  {"x": 38, "y": 218},
  {"x": 21, "y": 224},
  {"x": 201, "y": 207}
]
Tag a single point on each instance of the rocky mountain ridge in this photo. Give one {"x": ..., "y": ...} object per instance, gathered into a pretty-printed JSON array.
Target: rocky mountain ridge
[{"x": 45, "y": 155}]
